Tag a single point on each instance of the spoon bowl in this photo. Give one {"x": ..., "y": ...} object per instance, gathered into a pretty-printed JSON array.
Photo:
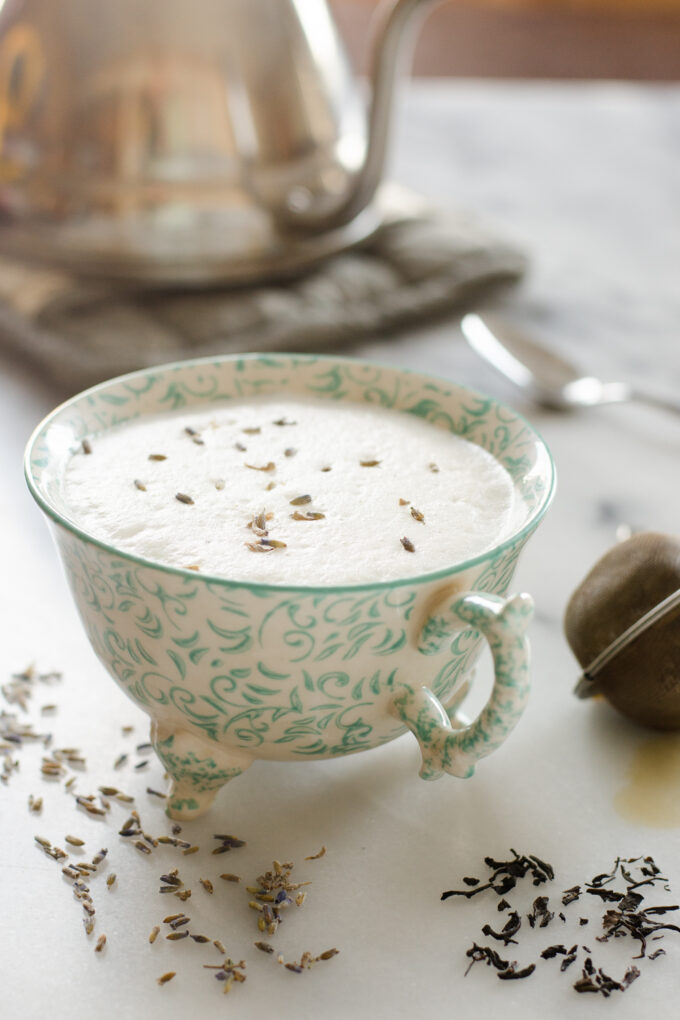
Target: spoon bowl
[{"x": 548, "y": 379}]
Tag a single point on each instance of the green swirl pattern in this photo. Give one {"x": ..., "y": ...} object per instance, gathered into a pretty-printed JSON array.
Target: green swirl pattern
[{"x": 232, "y": 671}]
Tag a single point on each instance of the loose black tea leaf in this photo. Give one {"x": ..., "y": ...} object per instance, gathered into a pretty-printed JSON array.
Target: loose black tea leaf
[
  {"x": 542, "y": 868},
  {"x": 512, "y": 975},
  {"x": 540, "y": 912},
  {"x": 552, "y": 951},
  {"x": 484, "y": 954},
  {"x": 627, "y": 916},
  {"x": 570, "y": 895},
  {"x": 569, "y": 958},
  {"x": 511, "y": 928},
  {"x": 608, "y": 895},
  {"x": 506, "y": 874}
]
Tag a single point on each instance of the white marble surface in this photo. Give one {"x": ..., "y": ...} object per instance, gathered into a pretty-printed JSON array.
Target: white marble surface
[{"x": 588, "y": 178}]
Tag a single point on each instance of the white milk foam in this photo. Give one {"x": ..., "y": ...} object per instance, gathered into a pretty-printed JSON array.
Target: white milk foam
[{"x": 242, "y": 459}]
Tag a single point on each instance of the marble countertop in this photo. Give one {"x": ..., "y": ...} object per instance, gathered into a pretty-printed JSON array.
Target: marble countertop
[{"x": 587, "y": 178}]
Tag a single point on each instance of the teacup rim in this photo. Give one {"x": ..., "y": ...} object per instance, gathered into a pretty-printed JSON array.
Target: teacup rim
[{"x": 515, "y": 538}]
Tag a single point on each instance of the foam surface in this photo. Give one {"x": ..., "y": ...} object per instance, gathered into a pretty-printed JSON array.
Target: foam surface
[{"x": 308, "y": 448}]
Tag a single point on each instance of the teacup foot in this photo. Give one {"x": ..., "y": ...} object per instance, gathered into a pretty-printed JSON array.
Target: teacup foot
[{"x": 197, "y": 769}]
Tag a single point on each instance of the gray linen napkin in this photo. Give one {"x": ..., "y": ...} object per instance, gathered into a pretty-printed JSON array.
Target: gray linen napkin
[{"x": 421, "y": 262}]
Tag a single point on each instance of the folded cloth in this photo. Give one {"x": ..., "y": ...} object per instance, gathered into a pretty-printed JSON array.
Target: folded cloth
[{"x": 421, "y": 262}]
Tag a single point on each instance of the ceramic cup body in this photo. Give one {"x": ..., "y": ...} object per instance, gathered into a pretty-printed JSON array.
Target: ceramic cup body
[{"x": 230, "y": 671}]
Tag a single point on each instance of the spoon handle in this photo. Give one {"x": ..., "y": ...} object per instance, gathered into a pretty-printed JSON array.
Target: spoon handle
[{"x": 655, "y": 400}]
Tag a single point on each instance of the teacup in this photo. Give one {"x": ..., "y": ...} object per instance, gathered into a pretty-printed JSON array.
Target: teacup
[{"x": 231, "y": 671}]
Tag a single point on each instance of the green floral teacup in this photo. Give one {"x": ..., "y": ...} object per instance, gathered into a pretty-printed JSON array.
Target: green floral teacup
[{"x": 231, "y": 671}]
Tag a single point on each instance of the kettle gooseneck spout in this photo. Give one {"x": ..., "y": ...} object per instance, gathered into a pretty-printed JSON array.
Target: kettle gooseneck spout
[{"x": 393, "y": 21}]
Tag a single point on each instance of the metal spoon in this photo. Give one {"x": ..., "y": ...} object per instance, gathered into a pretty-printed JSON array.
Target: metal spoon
[{"x": 547, "y": 378}]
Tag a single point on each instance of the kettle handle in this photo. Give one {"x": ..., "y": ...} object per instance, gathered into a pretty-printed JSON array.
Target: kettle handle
[
  {"x": 392, "y": 19},
  {"x": 396, "y": 25}
]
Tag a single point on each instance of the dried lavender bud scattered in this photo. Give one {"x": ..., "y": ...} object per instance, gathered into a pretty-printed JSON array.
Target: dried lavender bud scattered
[
  {"x": 317, "y": 855},
  {"x": 230, "y": 841}
]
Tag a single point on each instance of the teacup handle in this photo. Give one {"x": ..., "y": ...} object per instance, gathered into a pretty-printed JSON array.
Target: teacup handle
[{"x": 503, "y": 623}]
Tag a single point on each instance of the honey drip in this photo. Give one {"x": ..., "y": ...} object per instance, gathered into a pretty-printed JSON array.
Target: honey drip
[{"x": 652, "y": 795}]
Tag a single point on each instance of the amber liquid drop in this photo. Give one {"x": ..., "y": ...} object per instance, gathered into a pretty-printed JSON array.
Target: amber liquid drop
[{"x": 652, "y": 794}]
